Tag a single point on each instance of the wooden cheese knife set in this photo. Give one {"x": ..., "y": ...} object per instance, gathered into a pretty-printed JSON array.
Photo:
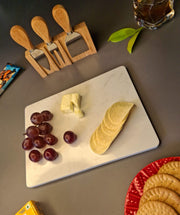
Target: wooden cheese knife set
[{"x": 58, "y": 50}]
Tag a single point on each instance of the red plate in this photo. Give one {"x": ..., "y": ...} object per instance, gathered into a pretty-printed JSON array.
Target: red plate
[{"x": 136, "y": 187}]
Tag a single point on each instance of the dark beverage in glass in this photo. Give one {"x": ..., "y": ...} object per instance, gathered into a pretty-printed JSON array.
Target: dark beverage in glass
[{"x": 153, "y": 13}]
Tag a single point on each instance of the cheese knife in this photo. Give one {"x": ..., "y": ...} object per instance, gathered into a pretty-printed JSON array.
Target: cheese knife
[
  {"x": 40, "y": 27},
  {"x": 61, "y": 16},
  {"x": 20, "y": 36}
]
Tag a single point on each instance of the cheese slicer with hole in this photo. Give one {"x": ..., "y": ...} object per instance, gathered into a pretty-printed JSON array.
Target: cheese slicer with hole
[{"x": 74, "y": 40}]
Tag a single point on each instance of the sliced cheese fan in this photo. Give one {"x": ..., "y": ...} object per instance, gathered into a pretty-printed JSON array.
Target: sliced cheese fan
[{"x": 111, "y": 125}]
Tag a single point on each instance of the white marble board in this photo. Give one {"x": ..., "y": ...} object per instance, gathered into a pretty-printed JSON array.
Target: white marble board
[{"x": 98, "y": 94}]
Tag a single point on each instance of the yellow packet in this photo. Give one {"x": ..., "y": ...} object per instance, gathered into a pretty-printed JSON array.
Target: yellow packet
[{"x": 30, "y": 208}]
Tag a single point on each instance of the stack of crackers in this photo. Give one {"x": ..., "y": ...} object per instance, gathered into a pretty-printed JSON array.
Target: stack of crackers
[
  {"x": 161, "y": 192},
  {"x": 111, "y": 125}
]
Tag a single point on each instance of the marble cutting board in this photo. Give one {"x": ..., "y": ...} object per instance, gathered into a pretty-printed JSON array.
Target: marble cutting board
[{"x": 98, "y": 94}]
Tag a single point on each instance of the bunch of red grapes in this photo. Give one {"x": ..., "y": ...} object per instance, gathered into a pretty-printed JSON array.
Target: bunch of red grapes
[{"x": 39, "y": 135}]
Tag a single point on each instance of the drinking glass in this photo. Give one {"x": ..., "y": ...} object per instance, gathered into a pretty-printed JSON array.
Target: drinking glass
[{"x": 152, "y": 14}]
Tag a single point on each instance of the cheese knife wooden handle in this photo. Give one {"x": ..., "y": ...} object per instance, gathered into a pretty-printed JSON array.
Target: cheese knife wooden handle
[
  {"x": 20, "y": 36},
  {"x": 40, "y": 27},
  {"x": 61, "y": 16}
]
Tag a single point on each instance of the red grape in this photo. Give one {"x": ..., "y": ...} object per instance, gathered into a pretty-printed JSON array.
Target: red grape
[
  {"x": 47, "y": 115},
  {"x": 27, "y": 144},
  {"x": 45, "y": 128},
  {"x": 50, "y": 154},
  {"x": 69, "y": 137},
  {"x": 39, "y": 142},
  {"x": 36, "y": 118},
  {"x": 32, "y": 131},
  {"x": 35, "y": 156},
  {"x": 50, "y": 139}
]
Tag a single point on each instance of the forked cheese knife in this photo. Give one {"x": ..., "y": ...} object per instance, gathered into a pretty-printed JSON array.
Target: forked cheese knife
[
  {"x": 20, "y": 36},
  {"x": 40, "y": 27}
]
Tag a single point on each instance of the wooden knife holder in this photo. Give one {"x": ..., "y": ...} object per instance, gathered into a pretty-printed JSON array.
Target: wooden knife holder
[
  {"x": 43, "y": 72},
  {"x": 84, "y": 32},
  {"x": 56, "y": 62},
  {"x": 66, "y": 58}
]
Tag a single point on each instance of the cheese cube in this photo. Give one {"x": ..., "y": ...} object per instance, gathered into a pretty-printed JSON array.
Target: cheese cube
[
  {"x": 72, "y": 103},
  {"x": 76, "y": 100},
  {"x": 78, "y": 112},
  {"x": 66, "y": 104}
]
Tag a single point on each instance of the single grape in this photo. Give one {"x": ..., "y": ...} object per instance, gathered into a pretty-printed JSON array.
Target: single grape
[
  {"x": 47, "y": 115},
  {"x": 39, "y": 142},
  {"x": 45, "y": 128},
  {"x": 50, "y": 154},
  {"x": 69, "y": 137},
  {"x": 50, "y": 139},
  {"x": 32, "y": 131},
  {"x": 36, "y": 118},
  {"x": 27, "y": 143},
  {"x": 35, "y": 156}
]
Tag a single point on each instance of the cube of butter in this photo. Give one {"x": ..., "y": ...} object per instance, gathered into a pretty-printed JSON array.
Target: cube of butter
[{"x": 30, "y": 208}]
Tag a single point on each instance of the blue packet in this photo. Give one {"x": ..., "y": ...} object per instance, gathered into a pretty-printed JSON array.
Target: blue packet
[{"x": 7, "y": 75}]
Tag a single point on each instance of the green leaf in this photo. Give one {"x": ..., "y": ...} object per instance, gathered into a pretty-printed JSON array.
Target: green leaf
[
  {"x": 132, "y": 40},
  {"x": 122, "y": 34}
]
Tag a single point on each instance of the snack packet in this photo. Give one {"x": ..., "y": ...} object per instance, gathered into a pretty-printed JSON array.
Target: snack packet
[
  {"x": 7, "y": 75},
  {"x": 30, "y": 208}
]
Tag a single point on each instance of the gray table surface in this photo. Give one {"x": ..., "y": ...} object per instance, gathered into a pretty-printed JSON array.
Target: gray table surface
[{"x": 154, "y": 68}]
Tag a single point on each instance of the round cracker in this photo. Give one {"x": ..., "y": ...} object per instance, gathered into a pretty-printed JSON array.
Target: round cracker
[
  {"x": 93, "y": 144},
  {"x": 98, "y": 146},
  {"x": 119, "y": 111},
  {"x": 107, "y": 130},
  {"x": 161, "y": 194},
  {"x": 171, "y": 168},
  {"x": 103, "y": 140},
  {"x": 156, "y": 208},
  {"x": 107, "y": 125},
  {"x": 162, "y": 180}
]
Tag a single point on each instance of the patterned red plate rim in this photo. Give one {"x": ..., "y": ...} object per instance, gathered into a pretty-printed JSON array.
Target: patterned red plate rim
[{"x": 135, "y": 189}]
